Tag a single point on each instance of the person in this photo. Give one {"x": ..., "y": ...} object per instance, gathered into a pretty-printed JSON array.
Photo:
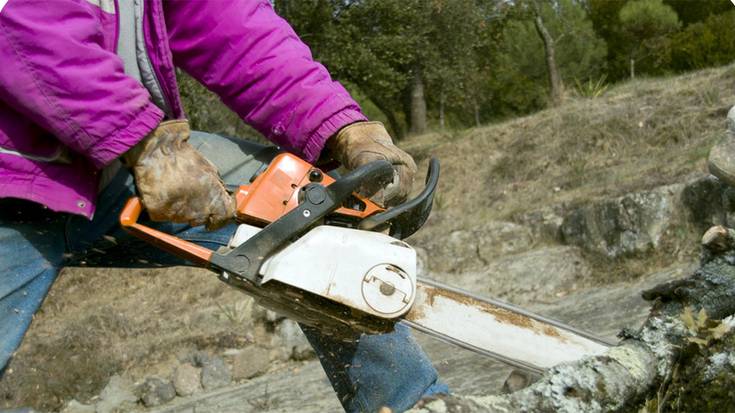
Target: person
[{"x": 90, "y": 114}]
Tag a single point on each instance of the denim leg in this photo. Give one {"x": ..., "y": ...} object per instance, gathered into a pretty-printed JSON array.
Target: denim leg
[
  {"x": 31, "y": 251},
  {"x": 377, "y": 370}
]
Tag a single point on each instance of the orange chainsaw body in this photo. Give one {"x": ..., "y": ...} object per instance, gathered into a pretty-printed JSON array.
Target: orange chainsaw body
[
  {"x": 275, "y": 192},
  {"x": 270, "y": 201}
]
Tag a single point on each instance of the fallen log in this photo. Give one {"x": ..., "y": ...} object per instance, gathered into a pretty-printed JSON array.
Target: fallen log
[{"x": 653, "y": 369}]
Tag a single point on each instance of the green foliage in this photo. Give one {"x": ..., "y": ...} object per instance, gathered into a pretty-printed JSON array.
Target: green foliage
[
  {"x": 692, "y": 11},
  {"x": 703, "y": 378},
  {"x": 646, "y": 19},
  {"x": 486, "y": 55},
  {"x": 705, "y": 44},
  {"x": 701, "y": 329},
  {"x": 592, "y": 88},
  {"x": 206, "y": 112},
  {"x": 645, "y": 25},
  {"x": 519, "y": 78},
  {"x": 390, "y": 43}
]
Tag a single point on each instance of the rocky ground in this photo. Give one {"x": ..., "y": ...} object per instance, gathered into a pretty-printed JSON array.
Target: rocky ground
[{"x": 570, "y": 213}]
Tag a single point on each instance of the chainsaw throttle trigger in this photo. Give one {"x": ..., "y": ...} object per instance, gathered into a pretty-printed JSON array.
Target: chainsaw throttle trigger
[{"x": 317, "y": 201}]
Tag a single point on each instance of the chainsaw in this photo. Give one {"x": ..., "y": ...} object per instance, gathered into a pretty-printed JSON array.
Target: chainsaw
[{"x": 309, "y": 247}]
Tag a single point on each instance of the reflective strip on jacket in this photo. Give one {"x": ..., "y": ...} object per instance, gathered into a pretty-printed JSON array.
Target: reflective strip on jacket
[{"x": 63, "y": 89}]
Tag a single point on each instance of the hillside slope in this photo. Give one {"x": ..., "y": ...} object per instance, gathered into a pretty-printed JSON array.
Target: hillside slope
[
  {"x": 638, "y": 135},
  {"x": 536, "y": 170},
  {"x": 570, "y": 212}
]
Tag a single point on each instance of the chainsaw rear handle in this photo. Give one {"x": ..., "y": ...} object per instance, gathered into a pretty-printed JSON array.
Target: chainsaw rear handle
[{"x": 245, "y": 260}]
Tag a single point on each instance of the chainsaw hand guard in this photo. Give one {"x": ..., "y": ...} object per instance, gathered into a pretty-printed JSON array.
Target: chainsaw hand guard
[{"x": 406, "y": 218}]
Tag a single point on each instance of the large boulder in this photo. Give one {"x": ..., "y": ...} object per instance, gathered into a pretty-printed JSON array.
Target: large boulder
[
  {"x": 707, "y": 202},
  {"x": 472, "y": 249},
  {"x": 541, "y": 274},
  {"x": 634, "y": 223}
]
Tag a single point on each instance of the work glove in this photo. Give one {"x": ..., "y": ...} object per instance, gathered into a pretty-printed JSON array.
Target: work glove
[
  {"x": 175, "y": 182},
  {"x": 363, "y": 142}
]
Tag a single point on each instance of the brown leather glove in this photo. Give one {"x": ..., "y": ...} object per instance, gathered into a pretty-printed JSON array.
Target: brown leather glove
[
  {"x": 363, "y": 142},
  {"x": 175, "y": 182}
]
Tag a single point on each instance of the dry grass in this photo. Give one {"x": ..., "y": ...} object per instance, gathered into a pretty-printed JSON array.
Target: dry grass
[
  {"x": 638, "y": 135},
  {"x": 97, "y": 322}
]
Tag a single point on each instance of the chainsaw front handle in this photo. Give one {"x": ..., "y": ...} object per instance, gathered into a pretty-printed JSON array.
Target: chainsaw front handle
[{"x": 183, "y": 249}]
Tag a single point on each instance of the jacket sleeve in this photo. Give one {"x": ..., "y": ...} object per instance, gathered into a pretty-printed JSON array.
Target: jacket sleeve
[
  {"x": 244, "y": 52},
  {"x": 57, "y": 72}
]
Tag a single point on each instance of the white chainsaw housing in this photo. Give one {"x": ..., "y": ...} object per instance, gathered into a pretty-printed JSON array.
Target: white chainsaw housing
[{"x": 364, "y": 270}]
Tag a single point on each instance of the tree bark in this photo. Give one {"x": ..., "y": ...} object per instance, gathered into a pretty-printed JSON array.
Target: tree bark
[
  {"x": 476, "y": 107},
  {"x": 632, "y": 68},
  {"x": 640, "y": 370},
  {"x": 418, "y": 105},
  {"x": 442, "y": 99},
  {"x": 395, "y": 126},
  {"x": 555, "y": 82}
]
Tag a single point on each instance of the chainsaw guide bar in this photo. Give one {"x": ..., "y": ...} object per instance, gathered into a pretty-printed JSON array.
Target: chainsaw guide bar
[{"x": 312, "y": 249}]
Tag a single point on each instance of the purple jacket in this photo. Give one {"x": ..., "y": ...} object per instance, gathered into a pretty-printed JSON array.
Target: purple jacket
[{"x": 63, "y": 90}]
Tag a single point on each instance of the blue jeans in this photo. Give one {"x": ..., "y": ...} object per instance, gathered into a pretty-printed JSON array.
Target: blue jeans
[{"x": 376, "y": 370}]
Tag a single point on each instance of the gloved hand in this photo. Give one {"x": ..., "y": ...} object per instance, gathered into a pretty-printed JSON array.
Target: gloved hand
[
  {"x": 175, "y": 182},
  {"x": 363, "y": 142}
]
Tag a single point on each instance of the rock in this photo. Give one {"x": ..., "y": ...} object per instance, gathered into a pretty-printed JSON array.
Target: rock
[
  {"x": 186, "y": 380},
  {"x": 272, "y": 316},
  {"x": 76, "y": 407},
  {"x": 622, "y": 226},
  {"x": 540, "y": 274},
  {"x": 250, "y": 362},
  {"x": 730, "y": 122},
  {"x": 471, "y": 249},
  {"x": 116, "y": 395},
  {"x": 201, "y": 358},
  {"x": 155, "y": 391},
  {"x": 289, "y": 336},
  {"x": 215, "y": 373},
  {"x": 517, "y": 380},
  {"x": 544, "y": 223},
  {"x": 266, "y": 316},
  {"x": 436, "y": 406},
  {"x": 706, "y": 201}
]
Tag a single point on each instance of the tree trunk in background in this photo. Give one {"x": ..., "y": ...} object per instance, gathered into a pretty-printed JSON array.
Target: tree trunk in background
[
  {"x": 476, "y": 106},
  {"x": 632, "y": 68},
  {"x": 557, "y": 86},
  {"x": 418, "y": 105},
  {"x": 442, "y": 98},
  {"x": 395, "y": 126}
]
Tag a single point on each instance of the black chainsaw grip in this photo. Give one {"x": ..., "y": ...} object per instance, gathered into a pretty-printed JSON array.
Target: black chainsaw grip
[
  {"x": 373, "y": 176},
  {"x": 407, "y": 218},
  {"x": 245, "y": 260}
]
